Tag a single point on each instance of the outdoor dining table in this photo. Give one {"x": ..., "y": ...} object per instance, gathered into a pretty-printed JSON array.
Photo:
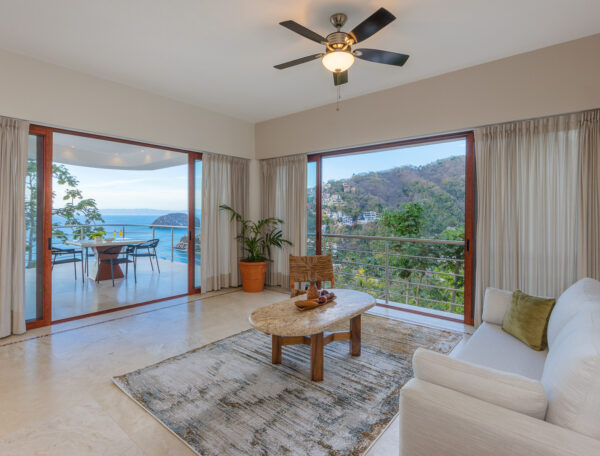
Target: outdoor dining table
[{"x": 101, "y": 271}]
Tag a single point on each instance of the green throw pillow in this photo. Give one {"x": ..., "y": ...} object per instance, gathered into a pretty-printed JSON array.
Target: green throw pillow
[{"x": 527, "y": 319}]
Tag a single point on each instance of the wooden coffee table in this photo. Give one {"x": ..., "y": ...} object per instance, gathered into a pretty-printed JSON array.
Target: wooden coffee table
[{"x": 290, "y": 326}]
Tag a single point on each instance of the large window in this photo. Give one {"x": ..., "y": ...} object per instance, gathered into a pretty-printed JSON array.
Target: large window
[{"x": 395, "y": 222}]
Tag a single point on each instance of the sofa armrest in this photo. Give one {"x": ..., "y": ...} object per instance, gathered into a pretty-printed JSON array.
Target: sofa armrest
[
  {"x": 495, "y": 304},
  {"x": 511, "y": 391},
  {"x": 438, "y": 421}
]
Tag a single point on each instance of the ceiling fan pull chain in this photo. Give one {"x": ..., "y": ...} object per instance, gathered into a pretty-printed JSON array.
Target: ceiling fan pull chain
[{"x": 339, "y": 97}]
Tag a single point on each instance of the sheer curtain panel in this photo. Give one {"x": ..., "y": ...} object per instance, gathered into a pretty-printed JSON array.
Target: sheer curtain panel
[
  {"x": 536, "y": 186},
  {"x": 13, "y": 167},
  {"x": 224, "y": 181},
  {"x": 588, "y": 236},
  {"x": 283, "y": 190}
]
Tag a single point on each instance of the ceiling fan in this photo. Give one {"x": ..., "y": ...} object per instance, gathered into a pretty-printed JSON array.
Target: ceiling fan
[{"x": 338, "y": 55}]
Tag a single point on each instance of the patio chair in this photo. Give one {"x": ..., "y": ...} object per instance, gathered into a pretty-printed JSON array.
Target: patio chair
[
  {"x": 317, "y": 268},
  {"x": 112, "y": 256},
  {"x": 145, "y": 249},
  {"x": 64, "y": 256}
]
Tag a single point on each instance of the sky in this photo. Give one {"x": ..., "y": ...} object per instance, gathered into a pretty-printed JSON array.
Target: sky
[{"x": 343, "y": 167}]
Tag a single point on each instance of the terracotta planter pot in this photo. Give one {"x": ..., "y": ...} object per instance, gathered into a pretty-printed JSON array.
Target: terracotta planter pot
[{"x": 253, "y": 276}]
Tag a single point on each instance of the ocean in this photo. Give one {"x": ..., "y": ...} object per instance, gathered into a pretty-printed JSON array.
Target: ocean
[{"x": 114, "y": 225}]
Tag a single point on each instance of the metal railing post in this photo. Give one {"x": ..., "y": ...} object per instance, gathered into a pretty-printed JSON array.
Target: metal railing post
[
  {"x": 123, "y": 231},
  {"x": 387, "y": 272},
  {"x": 171, "y": 244},
  {"x": 153, "y": 237}
]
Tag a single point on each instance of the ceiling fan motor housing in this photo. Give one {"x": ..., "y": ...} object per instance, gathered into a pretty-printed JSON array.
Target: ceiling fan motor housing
[{"x": 338, "y": 41}]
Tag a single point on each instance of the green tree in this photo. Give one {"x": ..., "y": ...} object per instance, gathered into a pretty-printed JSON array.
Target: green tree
[
  {"x": 77, "y": 211},
  {"x": 31, "y": 204},
  {"x": 406, "y": 221}
]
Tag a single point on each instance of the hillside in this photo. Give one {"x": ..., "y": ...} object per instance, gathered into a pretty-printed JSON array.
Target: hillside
[{"x": 439, "y": 186}]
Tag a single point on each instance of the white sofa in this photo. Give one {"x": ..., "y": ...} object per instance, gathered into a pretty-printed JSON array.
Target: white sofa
[{"x": 497, "y": 396}]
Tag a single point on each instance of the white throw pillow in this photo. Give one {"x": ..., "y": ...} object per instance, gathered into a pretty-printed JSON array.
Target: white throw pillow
[
  {"x": 511, "y": 391},
  {"x": 495, "y": 304},
  {"x": 572, "y": 375},
  {"x": 582, "y": 295}
]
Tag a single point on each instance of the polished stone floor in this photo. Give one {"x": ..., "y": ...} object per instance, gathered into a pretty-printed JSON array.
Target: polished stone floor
[
  {"x": 71, "y": 297},
  {"x": 56, "y": 393}
]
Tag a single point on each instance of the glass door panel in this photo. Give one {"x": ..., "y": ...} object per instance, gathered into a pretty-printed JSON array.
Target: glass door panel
[
  {"x": 311, "y": 208},
  {"x": 197, "y": 214},
  {"x": 34, "y": 245}
]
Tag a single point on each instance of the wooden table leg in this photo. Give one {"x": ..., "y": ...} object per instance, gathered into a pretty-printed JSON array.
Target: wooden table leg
[
  {"x": 103, "y": 269},
  {"x": 316, "y": 357},
  {"x": 355, "y": 336},
  {"x": 276, "y": 354}
]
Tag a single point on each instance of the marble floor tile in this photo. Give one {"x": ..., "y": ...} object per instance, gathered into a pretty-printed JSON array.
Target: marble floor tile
[{"x": 56, "y": 393}]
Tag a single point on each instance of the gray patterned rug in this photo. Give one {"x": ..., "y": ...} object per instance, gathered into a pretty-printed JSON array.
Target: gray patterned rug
[{"x": 226, "y": 398}]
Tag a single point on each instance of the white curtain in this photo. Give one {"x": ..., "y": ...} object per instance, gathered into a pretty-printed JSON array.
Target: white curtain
[
  {"x": 588, "y": 236},
  {"x": 283, "y": 193},
  {"x": 528, "y": 192},
  {"x": 13, "y": 167},
  {"x": 224, "y": 181}
]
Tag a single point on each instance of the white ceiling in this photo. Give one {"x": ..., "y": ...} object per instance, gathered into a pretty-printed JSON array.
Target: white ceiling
[
  {"x": 99, "y": 153},
  {"x": 220, "y": 55}
]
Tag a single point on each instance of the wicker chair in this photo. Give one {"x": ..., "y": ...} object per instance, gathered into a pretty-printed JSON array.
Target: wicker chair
[{"x": 317, "y": 268}]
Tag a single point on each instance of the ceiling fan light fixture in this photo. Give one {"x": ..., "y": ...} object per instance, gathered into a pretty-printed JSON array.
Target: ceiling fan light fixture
[{"x": 337, "y": 61}]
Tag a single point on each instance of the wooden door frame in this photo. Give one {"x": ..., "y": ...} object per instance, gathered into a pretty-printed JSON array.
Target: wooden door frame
[
  {"x": 46, "y": 221},
  {"x": 469, "y": 201},
  {"x": 193, "y": 157},
  {"x": 47, "y": 133},
  {"x": 318, "y": 203}
]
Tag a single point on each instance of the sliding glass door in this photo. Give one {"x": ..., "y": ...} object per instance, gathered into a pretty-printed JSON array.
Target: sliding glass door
[
  {"x": 398, "y": 221},
  {"x": 36, "y": 313},
  {"x": 195, "y": 213},
  {"x": 110, "y": 224}
]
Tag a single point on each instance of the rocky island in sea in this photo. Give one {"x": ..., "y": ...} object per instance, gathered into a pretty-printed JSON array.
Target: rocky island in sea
[{"x": 174, "y": 219}]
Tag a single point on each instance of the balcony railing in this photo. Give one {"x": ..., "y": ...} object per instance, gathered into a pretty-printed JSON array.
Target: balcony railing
[
  {"x": 425, "y": 273},
  {"x": 172, "y": 238}
]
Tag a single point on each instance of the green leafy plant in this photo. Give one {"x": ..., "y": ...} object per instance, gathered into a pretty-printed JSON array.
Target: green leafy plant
[
  {"x": 257, "y": 238},
  {"x": 97, "y": 234}
]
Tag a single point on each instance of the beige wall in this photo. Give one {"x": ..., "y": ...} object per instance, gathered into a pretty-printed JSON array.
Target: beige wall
[
  {"x": 48, "y": 94},
  {"x": 553, "y": 80}
]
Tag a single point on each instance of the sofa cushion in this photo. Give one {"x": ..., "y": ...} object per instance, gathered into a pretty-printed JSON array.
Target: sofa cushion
[
  {"x": 495, "y": 304},
  {"x": 584, "y": 294},
  {"x": 571, "y": 375},
  {"x": 511, "y": 391},
  {"x": 527, "y": 319},
  {"x": 490, "y": 346}
]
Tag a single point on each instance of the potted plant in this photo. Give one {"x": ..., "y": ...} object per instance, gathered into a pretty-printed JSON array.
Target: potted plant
[
  {"x": 97, "y": 236},
  {"x": 257, "y": 238}
]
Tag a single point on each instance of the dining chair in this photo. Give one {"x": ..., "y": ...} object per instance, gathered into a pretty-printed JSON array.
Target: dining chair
[
  {"x": 315, "y": 268},
  {"x": 114, "y": 255},
  {"x": 145, "y": 249},
  {"x": 65, "y": 256}
]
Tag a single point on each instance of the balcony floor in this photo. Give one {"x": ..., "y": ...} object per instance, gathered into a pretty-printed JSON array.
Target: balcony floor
[{"x": 71, "y": 297}]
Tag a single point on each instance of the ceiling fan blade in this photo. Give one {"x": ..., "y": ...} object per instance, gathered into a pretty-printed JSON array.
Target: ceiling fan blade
[
  {"x": 292, "y": 63},
  {"x": 340, "y": 78},
  {"x": 377, "y": 56},
  {"x": 301, "y": 30},
  {"x": 372, "y": 25}
]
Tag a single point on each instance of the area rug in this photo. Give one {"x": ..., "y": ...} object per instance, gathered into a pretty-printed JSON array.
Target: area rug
[{"x": 226, "y": 398}]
